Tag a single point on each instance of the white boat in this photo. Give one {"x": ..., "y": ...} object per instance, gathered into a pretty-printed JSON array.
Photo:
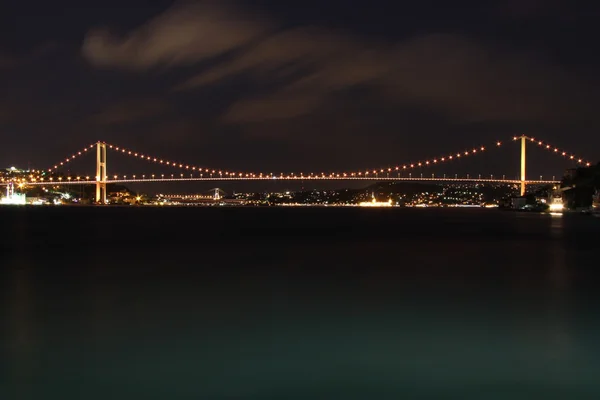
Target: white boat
[
  {"x": 375, "y": 203},
  {"x": 556, "y": 204}
]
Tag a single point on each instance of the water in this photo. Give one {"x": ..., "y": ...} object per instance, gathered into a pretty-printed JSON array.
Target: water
[{"x": 232, "y": 303}]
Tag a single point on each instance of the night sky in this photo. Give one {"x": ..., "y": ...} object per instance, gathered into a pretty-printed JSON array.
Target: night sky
[{"x": 297, "y": 85}]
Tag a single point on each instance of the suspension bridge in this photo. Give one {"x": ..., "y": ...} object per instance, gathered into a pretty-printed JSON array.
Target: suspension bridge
[{"x": 190, "y": 173}]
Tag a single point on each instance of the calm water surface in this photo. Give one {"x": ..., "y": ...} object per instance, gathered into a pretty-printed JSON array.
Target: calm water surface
[{"x": 232, "y": 303}]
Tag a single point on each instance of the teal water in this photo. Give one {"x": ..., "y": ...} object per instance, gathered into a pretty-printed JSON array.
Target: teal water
[{"x": 212, "y": 303}]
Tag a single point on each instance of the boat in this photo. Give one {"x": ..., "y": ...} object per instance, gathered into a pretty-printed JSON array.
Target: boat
[
  {"x": 556, "y": 204},
  {"x": 375, "y": 203}
]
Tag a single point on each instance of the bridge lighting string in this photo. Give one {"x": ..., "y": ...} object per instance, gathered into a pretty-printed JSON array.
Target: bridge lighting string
[
  {"x": 556, "y": 150},
  {"x": 425, "y": 163},
  {"x": 404, "y": 167},
  {"x": 70, "y": 158},
  {"x": 181, "y": 166}
]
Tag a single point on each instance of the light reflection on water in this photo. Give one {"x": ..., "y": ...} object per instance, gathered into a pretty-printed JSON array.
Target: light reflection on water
[{"x": 449, "y": 305}]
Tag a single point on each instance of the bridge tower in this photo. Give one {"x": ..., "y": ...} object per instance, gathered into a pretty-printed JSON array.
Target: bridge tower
[
  {"x": 101, "y": 173},
  {"x": 523, "y": 159}
]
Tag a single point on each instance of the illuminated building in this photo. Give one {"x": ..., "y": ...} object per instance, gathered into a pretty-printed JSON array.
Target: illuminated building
[{"x": 13, "y": 198}]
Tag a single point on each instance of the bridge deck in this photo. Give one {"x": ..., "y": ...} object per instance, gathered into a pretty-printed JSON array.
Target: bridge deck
[{"x": 292, "y": 178}]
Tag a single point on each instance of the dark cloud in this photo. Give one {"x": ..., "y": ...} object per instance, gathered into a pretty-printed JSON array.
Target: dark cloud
[
  {"x": 275, "y": 107},
  {"x": 306, "y": 67},
  {"x": 37, "y": 53},
  {"x": 184, "y": 34},
  {"x": 451, "y": 74},
  {"x": 530, "y": 8},
  {"x": 131, "y": 110},
  {"x": 469, "y": 80},
  {"x": 7, "y": 61},
  {"x": 296, "y": 48},
  {"x": 4, "y": 114}
]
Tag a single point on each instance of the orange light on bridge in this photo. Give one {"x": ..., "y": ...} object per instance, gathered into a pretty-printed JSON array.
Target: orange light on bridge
[{"x": 427, "y": 162}]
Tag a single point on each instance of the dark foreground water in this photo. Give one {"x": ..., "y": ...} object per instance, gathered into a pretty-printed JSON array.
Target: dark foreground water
[{"x": 231, "y": 303}]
